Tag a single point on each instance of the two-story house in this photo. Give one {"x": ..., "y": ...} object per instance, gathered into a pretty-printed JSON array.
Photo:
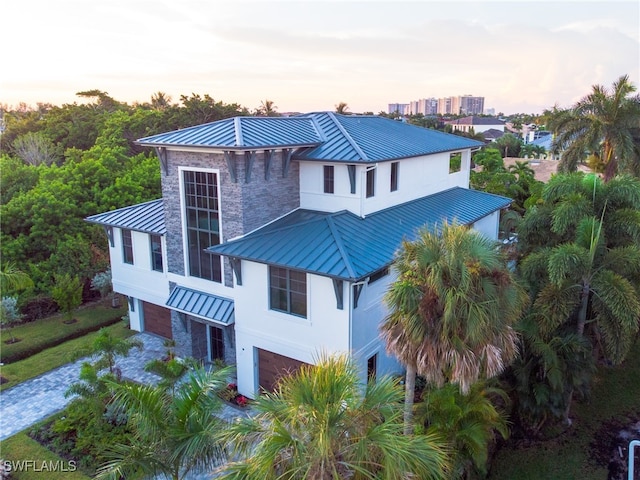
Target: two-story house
[{"x": 273, "y": 240}]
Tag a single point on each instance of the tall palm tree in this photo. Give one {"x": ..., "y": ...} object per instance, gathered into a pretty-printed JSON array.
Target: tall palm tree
[
  {"x": 452, "y": 310},
  {"x": 175, "y": 433},
  {"x": 323, "y": 424},
  {"x": 342, "y": 108},
  {"x": 603, "y": 124}
]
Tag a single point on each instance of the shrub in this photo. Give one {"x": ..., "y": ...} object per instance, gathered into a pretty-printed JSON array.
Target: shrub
[{"x": 102, "y": 283}]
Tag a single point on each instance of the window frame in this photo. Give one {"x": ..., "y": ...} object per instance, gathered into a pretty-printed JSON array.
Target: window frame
[
  {"x": 200, "y": 208},
  {"x": 127, "y": 246},
  {"x": 287, "y": 298},
  {"x": 156, "y": 254},
  {"x": 395, "y": 169},
  {"x": 370, "y": 183},
  {"x": 328, "y": 175}
]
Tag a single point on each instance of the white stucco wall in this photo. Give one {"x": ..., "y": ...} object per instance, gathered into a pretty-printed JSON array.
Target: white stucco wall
[
  {"x": 138, "y": 280},
  {"x": 326, "y": 329},
  {"x": 417, "y": 177},
  {"x": 489, "y": 225}
]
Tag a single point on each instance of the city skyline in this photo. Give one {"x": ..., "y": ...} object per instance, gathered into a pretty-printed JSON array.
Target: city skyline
[{"x": 522, "y": 57}]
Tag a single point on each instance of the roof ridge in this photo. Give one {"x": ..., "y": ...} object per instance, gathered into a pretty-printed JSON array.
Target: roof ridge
[
  {"x": 339, "y": 243},
  {"x": 346, "y": 134}
]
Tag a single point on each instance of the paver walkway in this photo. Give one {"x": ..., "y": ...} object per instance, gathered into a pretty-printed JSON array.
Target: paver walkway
[{"x": 29, "y": 402}]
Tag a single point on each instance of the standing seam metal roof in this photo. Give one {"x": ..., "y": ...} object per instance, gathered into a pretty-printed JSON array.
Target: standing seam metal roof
[
  {"x": 202, "y": 304},
  {"x": 145, "y": 217},
  {"x": 322, "y": 136},
  {"x": 345, "y": 246}
]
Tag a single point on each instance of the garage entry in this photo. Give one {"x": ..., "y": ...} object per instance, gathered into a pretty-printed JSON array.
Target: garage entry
[
  {"x": 272, "y": 366},
  {"x": 157, "y": 320}
]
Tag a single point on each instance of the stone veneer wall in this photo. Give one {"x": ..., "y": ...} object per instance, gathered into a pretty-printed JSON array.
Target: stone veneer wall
[{"x": 244, "y": 206}]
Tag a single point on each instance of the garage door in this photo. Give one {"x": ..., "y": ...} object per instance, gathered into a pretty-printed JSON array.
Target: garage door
[
  {"x": 157, "y": 320},
  {"x": 272, "y": 366}
]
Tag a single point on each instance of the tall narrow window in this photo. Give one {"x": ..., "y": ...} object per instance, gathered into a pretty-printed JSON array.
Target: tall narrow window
[
  {"x": 127, "y": 247},
  {"x": 156, "y": 252},
  {"x": 455, "y": 162},
  {"x": 203, "y": 224},
  {"x": 328, "y": 179},
  {"x": 216, "y": 343},
  {"x": 371, "y": 182},
  {"x": 394, "y": 176},
  {"x": 372, "y": 368},
  {"x": 288, "y": 291}
]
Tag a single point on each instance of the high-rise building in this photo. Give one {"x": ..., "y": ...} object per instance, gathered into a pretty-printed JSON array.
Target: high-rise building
[
  {"x": 399, "y": 108},
  {"x": 470, "y": 105}
]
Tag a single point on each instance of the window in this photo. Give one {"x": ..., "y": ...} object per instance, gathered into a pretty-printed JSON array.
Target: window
[
  {"x": 372, "y": 368},
  {"x": 216, "y": 343},
  {"x": 394, "y": 176},
  {"x": 288, "y": 291},
  {"x": 371, "y": 181},
  {"x": 203, "y": 226},
  {"x": 127, "y": 247},
  {"x": 156, "y": 252},
  {"x": 455, "y": 162},
  {"x": 328, "y": 179}
]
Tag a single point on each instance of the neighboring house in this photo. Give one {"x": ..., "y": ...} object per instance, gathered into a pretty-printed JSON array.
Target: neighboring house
[
  {"x": 492, "y": 135},
  {"x": 273, "y": 240},
  {"x": 476, "y": 124}
]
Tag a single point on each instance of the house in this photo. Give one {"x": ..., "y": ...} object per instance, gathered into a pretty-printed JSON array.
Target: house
[
  {"x": 274, "y": 236},
  {"x": 476, "y": 124}
]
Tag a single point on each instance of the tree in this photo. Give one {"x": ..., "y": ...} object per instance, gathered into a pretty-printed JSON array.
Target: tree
[
  {"x": 67, "y": 293},
  {"x": 9, "y": 313},
  {"x": 106, "y": 348},
  {"x": 12, "y": 278},
  {"x": 267, "y": 109},
  {"x": 452, "y": 310},
  {"x": 468, "y": 422},
  {"x": 508, "y": 144},
  {"x": 35, "y": 149},
  {"x": 323, "y": 424},
  {"x": 604, "y": 123},
  {"x": 342, "y": 108},
  {"x": 174, "y": 433},
  {"x": 587, "y": 262}
]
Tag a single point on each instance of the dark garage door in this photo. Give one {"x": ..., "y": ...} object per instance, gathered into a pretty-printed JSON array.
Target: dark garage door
[
  {"x": 272, "y": 366},
  {"x": 157, "y": 320}
]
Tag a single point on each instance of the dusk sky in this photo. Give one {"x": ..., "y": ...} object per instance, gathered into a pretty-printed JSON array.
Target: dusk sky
[{"x": 311, "y": 55}]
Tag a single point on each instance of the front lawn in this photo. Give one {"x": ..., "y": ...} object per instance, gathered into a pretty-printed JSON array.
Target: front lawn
[
  {"x": 581, "y": 452},
  {"x": 48, "y": 332},
  {"x": 22, "y": 447},
  {"x": 54, "y": 357}
]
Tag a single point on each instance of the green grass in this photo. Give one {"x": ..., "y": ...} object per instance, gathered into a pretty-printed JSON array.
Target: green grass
[
  {"x": 53, "y": 357},
  {"x": 21, "y": 447},
  {"x": 36, "y": 336},
  {"x": 615, "y": 395}
]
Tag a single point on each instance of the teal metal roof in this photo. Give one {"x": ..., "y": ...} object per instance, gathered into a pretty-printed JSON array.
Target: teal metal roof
[
  {"x": 325, "y": 136},
  {"x": 370, "y": 138},
  {"x": 242, "y": 133},
  {"x": 202, "y": 305},
  {"x": 145, "y": 217},
  {"x": 345, "y": 246}
]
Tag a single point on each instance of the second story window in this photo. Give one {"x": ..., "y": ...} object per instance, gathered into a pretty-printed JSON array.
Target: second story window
[
  {"x": 371, "y": 182},
  {"x": 328, "y": 179},
  {"x": 203, "y": 223},
  {"x": 394, "y": 176},
  {"x": 156, "y": 253},
  {"x": 127, "y": 247},
  {"x": 288, "y": 291}
]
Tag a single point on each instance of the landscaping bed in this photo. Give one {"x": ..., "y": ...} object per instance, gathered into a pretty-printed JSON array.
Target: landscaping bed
[{"x": 25, "y": 340}]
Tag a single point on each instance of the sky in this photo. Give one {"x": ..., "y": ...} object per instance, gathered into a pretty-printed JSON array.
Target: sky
[{"x": 304, "y": 55}]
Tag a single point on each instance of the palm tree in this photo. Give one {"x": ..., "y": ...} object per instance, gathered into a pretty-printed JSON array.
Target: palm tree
[
  {"x": 342, "y": 108},
  {"x": 174, "y": 433},
  {"x": 468, "y": 422},
  {"x": 602, "y": 124},
  {"x": 107, "y": 348},
  {"x": 453, "y": 307},
  {"x": 267, "y": 109},
  {"x": 323, "y": 424},
  {"x": 12, "y": 278}
]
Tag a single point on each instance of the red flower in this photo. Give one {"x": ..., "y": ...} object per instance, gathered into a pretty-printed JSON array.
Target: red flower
[
  {"x": 232, "y": 386},
  {"x": 241, "y": 400}
]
